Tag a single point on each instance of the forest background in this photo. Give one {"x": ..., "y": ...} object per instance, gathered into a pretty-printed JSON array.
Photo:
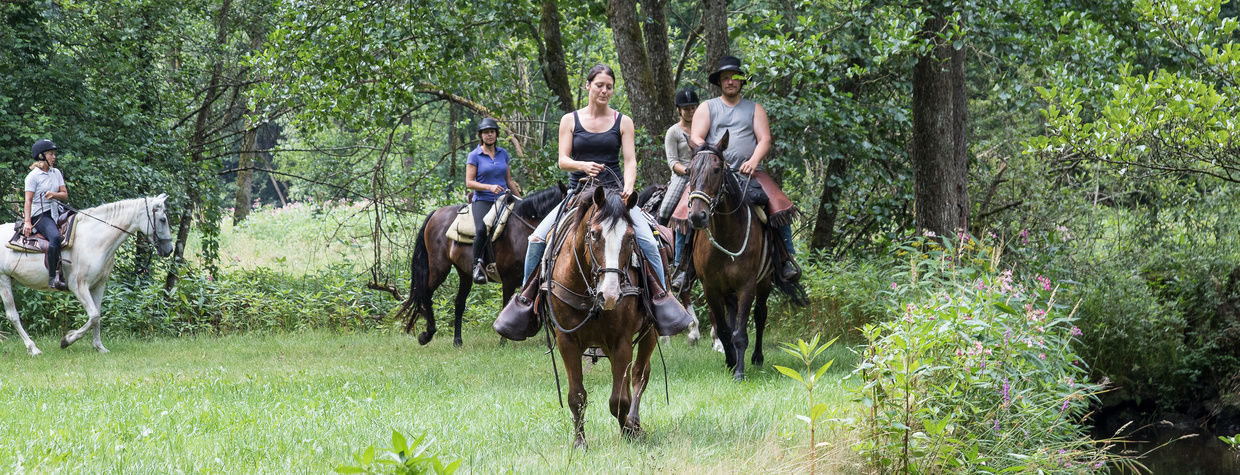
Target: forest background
[{"x": 1091, "y": 144}]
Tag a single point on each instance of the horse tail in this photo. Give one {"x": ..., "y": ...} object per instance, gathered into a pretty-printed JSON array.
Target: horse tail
[{"x": 419, "y": 293}]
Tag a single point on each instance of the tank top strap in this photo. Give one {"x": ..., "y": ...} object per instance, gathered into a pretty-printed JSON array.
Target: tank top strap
[
  {"x": 577, "y": 123},
  {"x": 616, "y": 125}
]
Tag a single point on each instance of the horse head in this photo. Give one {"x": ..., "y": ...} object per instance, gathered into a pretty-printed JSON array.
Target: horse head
[
  {"x": 608, "y": 244},
  {"x": 708, "y": 174},
  {"x": 155, "y": 224}
]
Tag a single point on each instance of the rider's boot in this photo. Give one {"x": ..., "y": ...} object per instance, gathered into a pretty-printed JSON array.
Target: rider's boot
[
  {"x": 480, "y": 275},
  {"x": 670, "y": 317},
  {"x": 56, "y": 280},
  {"x": 517, "y": 320},
  {"x": 789, "y": 271}
]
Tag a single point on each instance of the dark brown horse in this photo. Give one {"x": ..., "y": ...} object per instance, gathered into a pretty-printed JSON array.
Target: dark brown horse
[
  {"x": 596, "y": 301},
  {"x": 435, "y": 255},
  {"x": 732, "y": 254}
]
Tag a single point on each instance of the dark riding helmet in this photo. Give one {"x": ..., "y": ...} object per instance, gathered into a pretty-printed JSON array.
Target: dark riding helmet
[
  {"x": 488, "y": 124},
  {"x": 40, "y": 146},
  {"x": 686, "y": 97}
]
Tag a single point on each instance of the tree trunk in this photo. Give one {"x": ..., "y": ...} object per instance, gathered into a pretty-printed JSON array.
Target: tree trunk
[
  {"x": 554, "y": 70},
  {"x": 198, "y": 145},
  {"x": 650, "y": 112},
  {"x": 938, "y": 158},
  {"x": 828, "y": 208},
  {"x": 245, "y": 174},
  {"x": 715, "y": 19},
  {"x": 660, "y": 52}
]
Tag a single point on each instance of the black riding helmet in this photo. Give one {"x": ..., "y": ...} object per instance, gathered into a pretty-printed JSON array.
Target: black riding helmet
[
  {"x": 488, "y": 123},
  {"x": 686, "y": 97},
  {"x": 40, "y": 146}
]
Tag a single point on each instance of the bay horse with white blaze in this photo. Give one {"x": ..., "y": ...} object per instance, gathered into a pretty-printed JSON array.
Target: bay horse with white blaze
[
  {"x": 435, "y": 255},
  {"x": 596, "y": 300},
  {"x": 88, "y": 263},
  {"x": 732, "y": 254}
]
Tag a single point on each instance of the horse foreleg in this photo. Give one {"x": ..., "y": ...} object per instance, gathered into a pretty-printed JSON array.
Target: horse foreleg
[
  {"x": 570, "y": 354},
  {"x": 719, "y": 319},
  {"x": 641, "y": 378},
  {"x": 462, "y": 295},
  {"x": 10, "y": 310},
  {"x": 96, "y": 294},
  {"x": 759, "y": 324},
  {"x": 694, "y": 333},
  {"x": 621, "y": 358},
  {"x": 740, "y": 333},
  {"x": 92, "y": 314}
]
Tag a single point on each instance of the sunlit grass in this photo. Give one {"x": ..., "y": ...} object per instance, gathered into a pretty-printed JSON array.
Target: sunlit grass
[{"x": 306, "y": 401}]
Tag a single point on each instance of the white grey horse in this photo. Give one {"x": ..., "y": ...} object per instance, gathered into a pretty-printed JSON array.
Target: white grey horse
[{"x": 87, "y": 264}]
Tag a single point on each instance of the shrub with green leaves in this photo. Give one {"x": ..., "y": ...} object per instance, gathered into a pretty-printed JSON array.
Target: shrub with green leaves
[
  {"x": 975, "y": 371},
  {"x": 405, "y": 458}
]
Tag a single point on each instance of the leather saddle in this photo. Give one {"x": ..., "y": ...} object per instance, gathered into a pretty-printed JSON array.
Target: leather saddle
[
  {"x": 462, "y": 228},
  {"x": 37, "y": 243}
]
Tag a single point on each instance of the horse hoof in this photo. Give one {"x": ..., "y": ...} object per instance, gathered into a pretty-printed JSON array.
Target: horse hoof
[
  {"x": 102, "y": 350},
  {"x": 580, "y": 444},
  {"x": 757, "y": 361},
  {"x": 458, "y": 343},
  {"x": 632, "y": 432},
  {"x": 35, "y": 352},
  {"x": 738, "y": 377},
  {"x": 424, "y": 338}
]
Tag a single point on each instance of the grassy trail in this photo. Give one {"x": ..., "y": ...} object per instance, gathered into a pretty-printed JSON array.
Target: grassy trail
[{"x": 305, "y": 402}]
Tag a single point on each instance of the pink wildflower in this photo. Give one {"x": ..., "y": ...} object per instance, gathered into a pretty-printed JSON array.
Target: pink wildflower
[{"x": 1041, "y": 356}]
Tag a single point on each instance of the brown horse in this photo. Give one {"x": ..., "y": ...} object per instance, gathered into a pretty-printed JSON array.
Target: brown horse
[
  {"x": 596, "y": 301},
  {"x": 431, "y": 268},
  {"x": 732, "y": 254}
]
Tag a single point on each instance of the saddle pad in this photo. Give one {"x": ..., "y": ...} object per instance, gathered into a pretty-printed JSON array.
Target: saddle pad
[
  {"x": 462, "y": 229},
  {"x": 36, "y": 243}
]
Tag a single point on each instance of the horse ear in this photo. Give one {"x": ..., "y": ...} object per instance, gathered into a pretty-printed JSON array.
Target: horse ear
[
  {"x": 723, "y": 141},
  {"x": 600, "y": 196},
  {"x": 631, "y": 202},
  {"x": 563, "y": 188}
]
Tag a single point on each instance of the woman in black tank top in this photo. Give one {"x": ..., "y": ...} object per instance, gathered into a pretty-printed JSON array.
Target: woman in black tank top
[
  {"x": 599, "y": 147},
  {"x": 592, "y": 142}
]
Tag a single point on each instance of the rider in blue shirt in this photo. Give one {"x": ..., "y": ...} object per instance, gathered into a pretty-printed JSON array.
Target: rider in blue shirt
[{"x": 487, "y": 173}]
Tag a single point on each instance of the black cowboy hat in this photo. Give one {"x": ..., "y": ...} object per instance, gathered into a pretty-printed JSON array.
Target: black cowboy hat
[
  {"x": 686, "y": 97},
  {"x": 488, "y": 123},
  {"x": 726, "y": 63}
]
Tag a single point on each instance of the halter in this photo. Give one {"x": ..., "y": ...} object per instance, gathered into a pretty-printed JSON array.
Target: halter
[{"x": 713, "y": 201}]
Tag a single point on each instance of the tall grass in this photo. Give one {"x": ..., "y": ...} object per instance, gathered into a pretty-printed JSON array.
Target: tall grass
[{"x": 306, "y": 401}]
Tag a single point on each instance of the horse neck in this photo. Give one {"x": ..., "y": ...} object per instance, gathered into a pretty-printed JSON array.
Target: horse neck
[
  {"x": 732, "y": 231},
  {"x": 97, "y": 227}
]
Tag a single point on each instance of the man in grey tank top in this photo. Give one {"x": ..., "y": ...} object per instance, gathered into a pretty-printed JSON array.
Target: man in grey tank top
[{"x": 749, "y": 140}]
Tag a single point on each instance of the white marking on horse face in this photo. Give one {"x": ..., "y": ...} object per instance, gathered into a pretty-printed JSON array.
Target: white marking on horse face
[{"x": 613, "y": 241}]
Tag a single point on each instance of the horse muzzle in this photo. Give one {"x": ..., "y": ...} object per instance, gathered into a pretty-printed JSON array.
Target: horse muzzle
[
  {"x": 164, "y": 247},
  {"x": 698, "y": 219}
]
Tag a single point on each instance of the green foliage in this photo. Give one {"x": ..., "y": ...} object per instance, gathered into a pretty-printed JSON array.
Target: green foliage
[
  {"x": 976, "y": 371},
  {"x": 807, "y": 353},
  {"x": 406, "y": 457}
]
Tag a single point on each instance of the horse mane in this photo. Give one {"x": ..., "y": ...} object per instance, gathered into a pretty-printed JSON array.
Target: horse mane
[
  {"x": 731, "y": 178},
  {"x": 112, "y": 212},
  {"x": 538, "y": 204},
  {"x": 612, "y": 208},
  {"x": 644, "y": 196}
]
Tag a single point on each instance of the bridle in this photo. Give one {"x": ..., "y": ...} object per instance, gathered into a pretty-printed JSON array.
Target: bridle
[
  {"x": 713, "y": 201},
  {"x": 592, "y": 295}
]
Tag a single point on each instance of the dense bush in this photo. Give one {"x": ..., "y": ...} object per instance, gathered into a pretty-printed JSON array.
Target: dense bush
[
  {"x": 975, "y": 370},
  {"x": 238, "y": 301}
]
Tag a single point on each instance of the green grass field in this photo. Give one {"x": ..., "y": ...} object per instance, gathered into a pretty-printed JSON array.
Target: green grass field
[{"x": 304, "y": 402}]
